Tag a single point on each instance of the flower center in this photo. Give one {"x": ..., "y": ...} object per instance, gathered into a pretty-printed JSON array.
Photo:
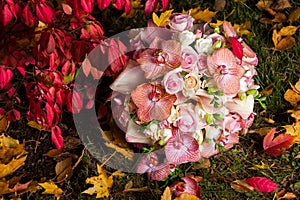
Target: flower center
[
  {"x": 160, "y": 57},
  {"x": 222, "y": 69},
  {"x": 155, "y": 95}
]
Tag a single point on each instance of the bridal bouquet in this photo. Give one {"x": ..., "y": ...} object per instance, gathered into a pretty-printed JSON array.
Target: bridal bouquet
[{"x": 188, "y": 91}]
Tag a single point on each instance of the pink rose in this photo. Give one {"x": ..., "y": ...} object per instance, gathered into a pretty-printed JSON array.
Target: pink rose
[
  {"x": 187, "y": 120},
  {"x": 173, "y": 82},
  {"x": 189, "y": 58},
  {"x": 232, "y": 123},
  {"x": 202, "y": 62},
  {"x": 181, "y": 22}
]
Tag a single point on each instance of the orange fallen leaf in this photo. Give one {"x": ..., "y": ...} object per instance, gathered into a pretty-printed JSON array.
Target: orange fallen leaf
[
  {"x": 3, "y": 123},
  {"x": 294, "y": 15},
  {"x": 12, "y": 166},
  {"x": 293, "y": 95},
  {"x": 262, "y": 4},
  {"x": 288, "y": 195},
  {"x": 288, "y": 31}
]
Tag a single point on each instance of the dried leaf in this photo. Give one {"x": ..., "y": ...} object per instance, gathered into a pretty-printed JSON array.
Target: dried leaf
[
  {"x": 219, "y": 5},
  {"x": 241, "y": 186},
  {"x": 167, "y": 195},
  {"x": 262, "y": 184},
  {"x": 261, "y": 131},
  {"x": 294, "y": 15},
  {"x": 269, "y": 120},
  {"x": 4, "y": 188},
  {"x": 243, "y": 28},
  {"x": 281, "y": 4},
  {"x": 20, "y": 187},
  {"x": 294, "y": 130},
  {"x": 275, "y": 37},
  {"x": 204, "y": 16},
  {"x": 293, "y": 95},
  {"x": 288, "y": 31},
  {"x": 10, "y": 149},
  {"x": 281, "y": 142},
  {"x": 62, "y": 165},
  {"x": 53, "y": 153},
  {"x": 263, "y": 4},
  {"x": 163, "y": 19},
  {"x": 35, "y": 125},
  {"x": 101, "y": 183},
  {"x": 288, "y": 195},
  {"x": 11, "y": 167},
  {"x": 51, "y": 188},
  {"x": 186, "y": 196},
  {"x": 286, "y": 43},
  {"x": 3, "y": 123},
  {"x": 262, "y": 166},
  {"x": 205, "y": 163}
]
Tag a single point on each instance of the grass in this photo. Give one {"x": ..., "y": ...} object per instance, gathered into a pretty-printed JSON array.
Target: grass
[{"x": 276, "y": 69}]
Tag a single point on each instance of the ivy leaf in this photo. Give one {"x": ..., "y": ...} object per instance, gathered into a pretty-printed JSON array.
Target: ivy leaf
[
  {"x": 262, "y": 184},
  {"x": 281, "y": 142},
  {"x": 101, "y": 183},
  {"x": 51, "y": 188},
  {"x": 162, "y": 20}
]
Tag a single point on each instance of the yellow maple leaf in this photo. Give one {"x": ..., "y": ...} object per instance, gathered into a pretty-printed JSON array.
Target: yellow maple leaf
[
  {"x": 101, "y": 183},
  {"x": 204, "y": 16},
  {"x": 293, "y": 95},
  {"x": 51, "y": 188},
  {"x": 163, "y": 19},
  {"x": 243, "y": 28},
  {"x": 12, "y": 166},
  {"x": 262, "y": 166}
]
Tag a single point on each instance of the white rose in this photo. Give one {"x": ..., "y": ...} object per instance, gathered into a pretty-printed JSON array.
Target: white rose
[
  {"x": 204, "y": 46},
  {"x": 186, "y": 37}
]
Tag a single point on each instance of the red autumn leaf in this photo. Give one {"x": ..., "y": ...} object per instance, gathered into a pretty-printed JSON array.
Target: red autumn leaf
[
  {"x": 6, "y": 15},
  {"x": 67, "y": 8},
  {"x": 51, "y": 44},
  {"x": 102, "y": 4},
  {"x": 262, "y": 184},
  {"x": 27, "y": 17},
  {"x": 165, "y": 4},
  {"x": 77, "y": 102},
  {"x": 86, "y": 67},
  {"x": 44, "y": 13},
  {"x": 50, "y": 114},
  {"x": 5, "y": 76},
  {"x": 275, "y": 146},
  {"x": 87, "y": 5},
  {"x": 150, "y": 6},
  {"x": 56, "y": 137},
  {"x": 236, "y": 47}
]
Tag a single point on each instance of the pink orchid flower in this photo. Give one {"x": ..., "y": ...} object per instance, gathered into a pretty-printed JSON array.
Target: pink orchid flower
[
  {"x": 182, "y": 148},
  {"x": 190, "y": 186},
  {"x": 226, "y": 72},
  {"x": 161, "y": 57},
  {"x": 152, "y": 102},
  {"x": 149, "y": 164}
]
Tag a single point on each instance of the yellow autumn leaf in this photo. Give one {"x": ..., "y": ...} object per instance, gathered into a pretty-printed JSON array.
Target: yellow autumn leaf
[
  {"x": 294, "y": 130},
  {"x": 243, "y": 28},
  {"x": 167, "y": 195},
  {"x": 285, "y": 43},
  {"x": 51, "y": 188},
  {"x": 204, "y": 16},
  {"x": 186, "y": 196},
  {"x": 275, "y": 37},
  {"x": 288, "y": 31},
  {"x": 294, "y": 15},
  {"x": 35, "y": 125},
  {"x": 217, "y": 24},
  {"x": 12, "y": 166},
  {"x": 10, "y": 148},
  {"x": 4, "y": 188},
  {"x": 163, "y": 19},
  {"x": 293, "y": 95},
  {"x": 3, "y": 123},
  {"x": 263, "y": 4},
  {"x": 241, "y": 186},
  {"x": 101, "y": 183},
  {"x": 262, "y": 166}
]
